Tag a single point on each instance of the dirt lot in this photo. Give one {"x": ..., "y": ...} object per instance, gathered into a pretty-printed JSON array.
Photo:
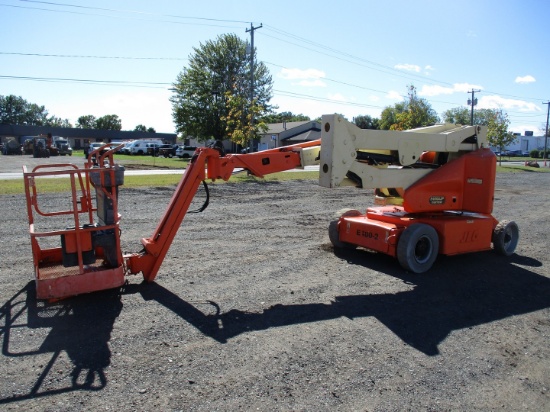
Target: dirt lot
[{"x": 254, "y": 310}]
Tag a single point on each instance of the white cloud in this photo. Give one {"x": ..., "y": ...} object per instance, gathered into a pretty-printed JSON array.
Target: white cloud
[
  {"x": 428, "y": 70},
  {"x": 393, "y": 95},
  {"x": 521, "y": 128},
  {"x": 525, "y": 79},
  {"x": 436, "y": 90},
  {"x": 497, "y": 102},
  {"x": 306, "y": 77},
  {"x": 408, "y": 67}
]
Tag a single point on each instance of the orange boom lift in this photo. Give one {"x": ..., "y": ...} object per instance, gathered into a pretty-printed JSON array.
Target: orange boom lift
[{"x": 434, "y": 194}]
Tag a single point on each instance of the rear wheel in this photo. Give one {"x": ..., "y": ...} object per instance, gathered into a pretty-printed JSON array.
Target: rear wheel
[
  {"x": 418, "y": 248},
  {"x": 506, "y": 237},
  {"x": 333, "y": 234}
]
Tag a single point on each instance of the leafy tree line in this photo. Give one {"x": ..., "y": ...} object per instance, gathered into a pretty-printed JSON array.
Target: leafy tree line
[
  {"x": 15, "y": 110},
  {"x": 416, "y": 112}
]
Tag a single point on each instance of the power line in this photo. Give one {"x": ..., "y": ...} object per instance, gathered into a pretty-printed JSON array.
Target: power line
[
  {"x": 358, "y": 60},
  {"x": 162, "y": 20},
  {"x": 320, "y": 48},
  {"x": 368, "y": 63},
  {"x": 78, "y": 6},
  {"x": 76, "y": 56},
  {"x": 90, "y": 81},
  {"x": 143, "y": 58},
  {"x": 321, "y": 99}
]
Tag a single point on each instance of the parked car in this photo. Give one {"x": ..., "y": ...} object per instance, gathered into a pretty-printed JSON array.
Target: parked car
[
  {"x": 512, "y": 153},
  {"x": 168, "y": 150},
  {"x": 185, "y": 152},
  {"x": 153, "y": 149},
  {"x": 126, "y": 148},
  {"x": 139, "y": 147}
]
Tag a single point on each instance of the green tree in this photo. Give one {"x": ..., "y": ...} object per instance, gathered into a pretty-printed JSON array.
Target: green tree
[
  {"x": 108, "y": 122},
  {"x": 143, "y": 128},
  {"x": 389, "y": 115},
  {"x": 240, "y": 128},
  {"x": 485, "y": 116},
  {"x": 284, "y": 117},
  {"x": 200, "y": 102},
  {"x": 497, "y": 131},
  {"x": 457, "y": 115},
  {"x": 409, "y": 114},
  {"x": 462, "y": 115},
  {"x": 366, "y": 122},
  {"x": 86, "y": 122},
  {"x": 17, "y": 111},
  {"x": 58, "y": 122}
]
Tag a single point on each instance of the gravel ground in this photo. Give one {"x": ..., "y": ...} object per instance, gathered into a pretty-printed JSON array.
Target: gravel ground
[{"x": 254, "y": 310}]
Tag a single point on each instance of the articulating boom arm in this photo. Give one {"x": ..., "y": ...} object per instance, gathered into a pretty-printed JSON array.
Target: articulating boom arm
[
  {"x": 347, "y": 150},
  {"x": 207, "y": 163}
]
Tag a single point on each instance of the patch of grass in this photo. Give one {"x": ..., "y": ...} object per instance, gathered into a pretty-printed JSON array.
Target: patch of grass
[
  {"x": 16, "y": 186},
  {"x": 151, "y": 162},
  {"x": 521, "y": 169}
]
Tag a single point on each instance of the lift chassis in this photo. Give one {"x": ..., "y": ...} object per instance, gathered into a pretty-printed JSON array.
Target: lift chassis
[{"x": 434, "y": 191}]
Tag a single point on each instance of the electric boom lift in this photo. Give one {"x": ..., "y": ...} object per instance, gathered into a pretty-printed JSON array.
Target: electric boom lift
[{"x": 434, "y": 192}]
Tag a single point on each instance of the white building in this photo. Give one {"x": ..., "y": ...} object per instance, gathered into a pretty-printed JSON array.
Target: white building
[{"x": 526, "y": 142}]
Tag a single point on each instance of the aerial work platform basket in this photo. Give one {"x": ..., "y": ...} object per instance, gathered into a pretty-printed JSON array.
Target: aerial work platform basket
[{"x": 76, "y": 250}]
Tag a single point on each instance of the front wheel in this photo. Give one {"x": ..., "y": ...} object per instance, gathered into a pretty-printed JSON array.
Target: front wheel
[
  {"x": 505, "y": 238},
  {"x": 418, "y": 248},
  {"x": 333, "y": 234}
]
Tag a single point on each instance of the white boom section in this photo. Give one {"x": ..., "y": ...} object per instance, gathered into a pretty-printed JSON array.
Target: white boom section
[{"x": 340, "y": 141}]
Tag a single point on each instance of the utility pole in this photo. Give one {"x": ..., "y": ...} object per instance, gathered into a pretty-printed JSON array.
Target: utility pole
[
  {"x": 251, "y": 31},
  {"x": 546, "y": 134},
  {"x": 472, "y": 102}
]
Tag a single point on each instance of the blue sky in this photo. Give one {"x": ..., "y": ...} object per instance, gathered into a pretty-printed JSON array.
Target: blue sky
[{"x": 349, "y": 57}]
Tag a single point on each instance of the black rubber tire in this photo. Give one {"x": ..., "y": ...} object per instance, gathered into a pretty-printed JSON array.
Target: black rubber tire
[
  {"x": 418, "y": 248},
  {"x": 505, "y": 238},
  {"x": 333, "y": 229}
]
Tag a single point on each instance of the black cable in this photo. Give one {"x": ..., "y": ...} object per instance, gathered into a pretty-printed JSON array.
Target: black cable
[{"x": 205, "y": 204}]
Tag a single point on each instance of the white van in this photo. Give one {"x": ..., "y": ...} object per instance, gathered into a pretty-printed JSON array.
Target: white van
[{"x": 139, "y": 147}]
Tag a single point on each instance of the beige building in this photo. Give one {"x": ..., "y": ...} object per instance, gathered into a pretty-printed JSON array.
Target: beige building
[
  {"x": 277, "y": 135},
  {"x": 287, "y": 133}
]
